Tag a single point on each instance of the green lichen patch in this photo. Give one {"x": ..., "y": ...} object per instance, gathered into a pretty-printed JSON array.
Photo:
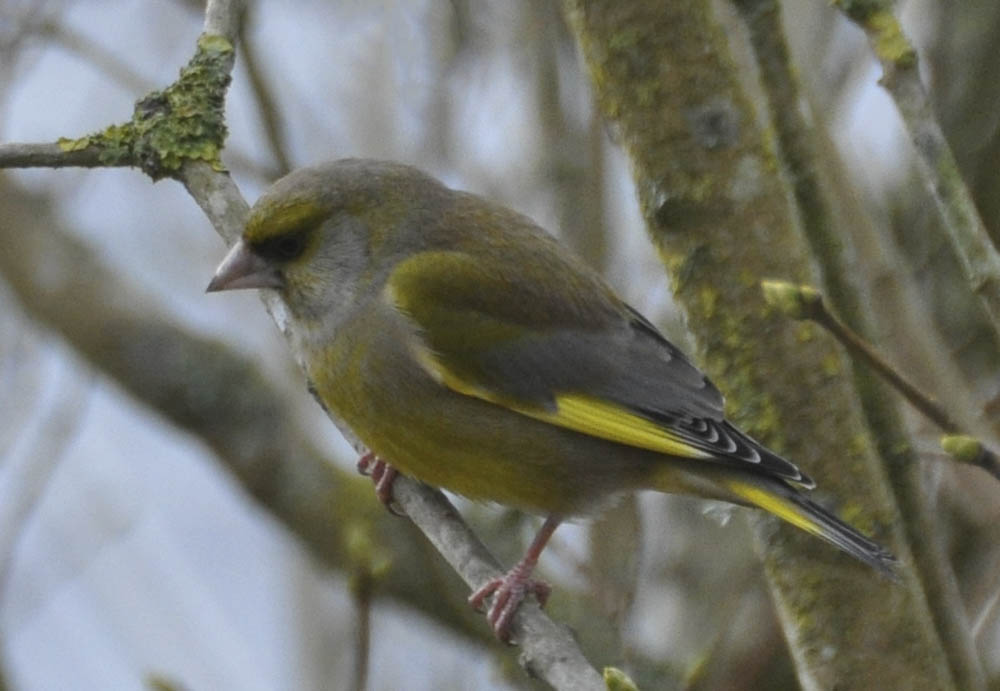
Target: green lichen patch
[
  {"x": 891, "y": 45},
  {"x": 66, "y": 144},
  {"x": 186, "y": 121},
  {"x": 183, "y": 122},
  {"x": 962, "y": 448},
  {"x": 616, "y": 680},
  {"x": 877, "y": 19}
]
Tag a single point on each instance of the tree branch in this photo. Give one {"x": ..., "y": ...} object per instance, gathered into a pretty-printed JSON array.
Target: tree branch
[
  {"x": 804, "y": 302},
  {"x": 901, "y": 79},
  {"x": 51, "y": 155},
  {"x": 798, "y": 149},
  {"x": 548, "y": 651},
  {"x": 719, "y": 216},
  {"x": 267, "y": 108}
]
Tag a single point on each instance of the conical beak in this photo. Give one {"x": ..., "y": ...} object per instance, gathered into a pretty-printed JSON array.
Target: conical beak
[{"x": 243, "y": 269}]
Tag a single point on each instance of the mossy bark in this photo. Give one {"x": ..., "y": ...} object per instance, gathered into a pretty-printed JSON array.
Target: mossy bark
[
  {"x": 799, "y": 152},
  {"x": 711, "y": 191}
]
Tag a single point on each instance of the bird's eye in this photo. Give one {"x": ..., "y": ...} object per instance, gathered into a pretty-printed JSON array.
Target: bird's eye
[
  {"x": 283, "y": 248},
  {"x": 290, "y": 247}
]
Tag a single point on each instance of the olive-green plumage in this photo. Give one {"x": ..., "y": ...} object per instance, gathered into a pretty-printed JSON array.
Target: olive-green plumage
[{"x": 466, "y": 347}]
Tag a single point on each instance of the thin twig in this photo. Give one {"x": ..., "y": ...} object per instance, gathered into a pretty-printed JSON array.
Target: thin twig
[
  {"x": 96, "y": 55},
  {"x": 547, "y": 650},
  {"x": 49, "y": 155},
  {"x": 267, "y": 106},
  {"x": 371, "y": 562},
  {"x": 978, "y": 256},
  {"x": 362, "y": 587},
  {"x": 805, "y": 302},
  {"x": 222, "y": 17},
  {"x": 863, "y": 350},
  {"x": 31, "y": 474}
]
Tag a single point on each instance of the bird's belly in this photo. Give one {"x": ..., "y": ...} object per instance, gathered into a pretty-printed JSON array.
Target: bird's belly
[{"x": 482, "y": 450}]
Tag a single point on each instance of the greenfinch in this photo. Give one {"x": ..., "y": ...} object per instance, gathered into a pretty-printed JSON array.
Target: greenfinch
[{"x": 466, "y": 348}]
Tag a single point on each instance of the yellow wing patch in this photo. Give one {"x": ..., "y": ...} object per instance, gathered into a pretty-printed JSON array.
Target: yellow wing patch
[
  {"x": 577, "y": 412},
  {"x": 612, "y": 422}
]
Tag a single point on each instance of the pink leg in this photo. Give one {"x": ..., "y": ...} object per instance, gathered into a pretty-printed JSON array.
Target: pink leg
[
  {"x": 509, "y": 590},
  {"x": 382, "y": 475},
  {"x": 365, "y": 463}
]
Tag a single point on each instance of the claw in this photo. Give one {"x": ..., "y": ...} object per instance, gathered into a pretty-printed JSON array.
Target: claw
[
  {"x": 383, "y": 475},
  {"x": 365, "y": 463},
  {"x": 508, "y": 593},
  {"x": 509, "y": 590}
]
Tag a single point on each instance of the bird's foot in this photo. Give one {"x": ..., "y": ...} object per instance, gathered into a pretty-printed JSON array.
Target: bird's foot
[
  {"x": 508, "y": 592},
  {"x": 382, "y": 475}
]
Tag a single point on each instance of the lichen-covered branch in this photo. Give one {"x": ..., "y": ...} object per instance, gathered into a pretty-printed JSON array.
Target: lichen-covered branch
[
  {"x": 184, "y": 122},
  {"x": 714, "y": 204},
  {"x": 799, "y": 152},
  {"x": 944, "y": 598}
]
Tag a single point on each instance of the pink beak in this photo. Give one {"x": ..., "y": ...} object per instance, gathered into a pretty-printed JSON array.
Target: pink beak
[{"x": 241, "y": 268}]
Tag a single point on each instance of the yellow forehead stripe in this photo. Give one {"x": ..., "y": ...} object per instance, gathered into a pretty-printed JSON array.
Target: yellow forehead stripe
[{"x": 279, "y": 218}]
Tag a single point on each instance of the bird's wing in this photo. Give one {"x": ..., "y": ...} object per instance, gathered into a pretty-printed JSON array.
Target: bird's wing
[{"x": 563, "y": 349}]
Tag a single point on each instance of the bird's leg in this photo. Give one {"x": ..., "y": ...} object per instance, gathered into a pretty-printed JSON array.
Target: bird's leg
[
  {"x": 366, "y": 461},
  {"x": 509, "y": 590},
  {"x": 382, "y": 475}
]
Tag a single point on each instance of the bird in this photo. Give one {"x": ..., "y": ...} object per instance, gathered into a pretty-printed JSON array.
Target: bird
[{"x": 465, "y": 347}]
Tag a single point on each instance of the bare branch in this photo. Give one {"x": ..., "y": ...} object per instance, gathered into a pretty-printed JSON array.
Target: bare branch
[
  {"x": 267, "y": 108},
  {"x": 804, "y": 302},
  {"x": 901, "y": 79},
  {"x": 30, "y": 472},
  {"x": 96, "y": 55},
  {"x": 53, "y": 155},
  {"x": 222, "y": 18},
  {"x": 548, "y": 650}
]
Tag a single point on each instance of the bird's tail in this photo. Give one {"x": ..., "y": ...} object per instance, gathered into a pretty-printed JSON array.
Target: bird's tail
[{"x": 774, "y": 496}]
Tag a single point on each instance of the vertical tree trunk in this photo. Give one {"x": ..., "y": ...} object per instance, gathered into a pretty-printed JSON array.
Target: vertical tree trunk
[{"x": 717, "y": 210}]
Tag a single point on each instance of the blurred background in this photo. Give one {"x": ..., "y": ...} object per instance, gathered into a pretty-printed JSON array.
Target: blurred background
[{"x": 131, "y": 558}]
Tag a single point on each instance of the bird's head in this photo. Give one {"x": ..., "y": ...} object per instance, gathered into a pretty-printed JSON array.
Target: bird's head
[{"x": 320, "y": 234}]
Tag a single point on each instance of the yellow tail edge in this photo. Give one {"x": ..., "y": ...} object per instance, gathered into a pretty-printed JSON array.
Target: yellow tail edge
[{"x": 796, "y": 508}]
